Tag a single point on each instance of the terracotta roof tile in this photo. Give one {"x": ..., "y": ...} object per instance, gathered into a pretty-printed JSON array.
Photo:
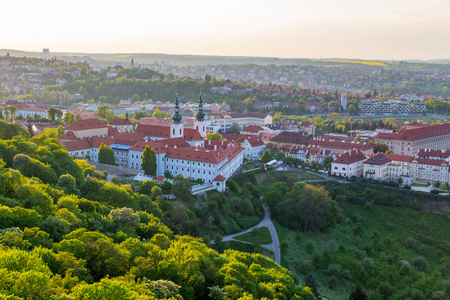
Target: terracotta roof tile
[
  {"x": 417, "y": 133},
  {"x": 119, "y": 122},
  {"x": 287, "y": 137},
  {"x": 350, "y": 157},
  {"x": 219, "y": 178},
  {"x": 86, "y": 124}
]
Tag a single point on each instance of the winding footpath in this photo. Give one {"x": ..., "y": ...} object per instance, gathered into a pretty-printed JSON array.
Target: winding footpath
[{"x": 266, "y": 222}]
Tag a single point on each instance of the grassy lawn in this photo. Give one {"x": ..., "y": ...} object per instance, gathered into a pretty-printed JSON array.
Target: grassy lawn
[
  {"x": 419, "y": 184},
  {"x": 250, "y": 166},
  {"x": 269, "y": 177},
  {"x": 429, "y": 231},
  {"x": 259, "y": 236},
  {"x": 244, "y": 248}
]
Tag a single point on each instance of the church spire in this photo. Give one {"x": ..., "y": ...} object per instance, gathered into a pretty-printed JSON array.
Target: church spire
[
  {"x": 200, "y": 116},
  {"x": 177, "y": 117}
]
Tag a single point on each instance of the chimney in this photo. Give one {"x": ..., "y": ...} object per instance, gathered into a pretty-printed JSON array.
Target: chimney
[{"x": 215, "y": 147}]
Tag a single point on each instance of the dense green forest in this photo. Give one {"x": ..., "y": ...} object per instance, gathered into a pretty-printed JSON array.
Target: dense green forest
[
  {"x": 361, "y": 233},
  {"x": 63, "y": 236}
]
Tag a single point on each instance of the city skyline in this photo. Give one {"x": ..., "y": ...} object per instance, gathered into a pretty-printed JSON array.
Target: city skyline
[{"x": 288, "y": 29}]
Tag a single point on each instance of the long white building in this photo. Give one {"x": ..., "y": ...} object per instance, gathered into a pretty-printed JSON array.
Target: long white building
[{"x": 179, "y": 150}]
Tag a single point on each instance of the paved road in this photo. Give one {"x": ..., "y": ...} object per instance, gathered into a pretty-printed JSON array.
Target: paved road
[{"x": 266, "y": 222}]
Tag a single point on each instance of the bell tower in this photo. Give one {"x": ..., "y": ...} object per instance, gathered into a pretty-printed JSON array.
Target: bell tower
[
  {"x": 176, "y": 127},
  {"x": 199, "y": 122}
]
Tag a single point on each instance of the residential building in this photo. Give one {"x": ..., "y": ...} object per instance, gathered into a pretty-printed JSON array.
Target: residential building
[
  {"x": 408, "y": 142},
  {"x": 87, "y": 128},
  {"x": 290, "y": 138},
  {"x": 349, "y": 164},
  {"x": 122, "y": 125},
  {"x": 245, "y": 119}
]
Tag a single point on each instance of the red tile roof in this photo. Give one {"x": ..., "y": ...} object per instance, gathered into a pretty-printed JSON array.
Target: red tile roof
[
  {"x": 350, "y": 157},
  {"x": 434, "y": 162},
  {"x": 252, "y": 128},
  {"x": 157, "y": 147},
  {"x": 119, "y": 122},
  {"x": 255, "y": 141},
  {"x": 82, "y": 144},
  {"x": 397, "y": 157},
  {"x": 378, "y": 159},
  {"x": 69, "y": 135},
  {"x": 156, "y": 121},
  {"x": 340, "y": 145},
  {"x": 175, "y": 142},
  {"x": 86, "y": 124},
  {"x": 424, "y": 153},
  {"x": 96, "y": 141},
  {"x": 213, "y": 157},
  {"x": 192, "y": 135},
  {"x": 112, "y": 130},
  {"x": 417, "y": 133},
  {"x": 153, "y": 130},
  {"x": 266, "y": 136},
  {"x": 231, "y": 136},
  {"x": 287, "y": 137},
  {"x": 219, "y": 178}
]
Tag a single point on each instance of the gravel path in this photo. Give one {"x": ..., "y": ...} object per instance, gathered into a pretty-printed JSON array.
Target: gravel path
[{"x": 266, "y": 222}]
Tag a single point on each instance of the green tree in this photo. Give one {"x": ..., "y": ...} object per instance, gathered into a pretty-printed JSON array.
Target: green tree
[
  {"x": 266, "y": 157},
  {"x": 379, "y": 147},
  {"x": 146, "y": 187},
  {"x": 310, "y": 206},
  {"x": 106, "y": 155},
  {"x": 358, "y": 294},
  {"x": 149, "y": 161},
  {"x": 213, "y": 136},
  {"x": 327, "y": 162},
  {"x": 181, "y": 185},
  {"x": 312, "y": 284},
  {"x": 68, "y": 118},
  {"x": 68, "y": 184},
  {"x": 159, "y": 114},
  {"x": 135, "y": 98},
  {"x": 30, "y": 129}
]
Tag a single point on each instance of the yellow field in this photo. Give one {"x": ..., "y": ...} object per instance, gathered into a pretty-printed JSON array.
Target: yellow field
[
  {"x": 369, "y": 63},
  {"x": 123, "y": 55}
]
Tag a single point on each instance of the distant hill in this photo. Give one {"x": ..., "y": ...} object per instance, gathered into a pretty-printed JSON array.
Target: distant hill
[{"x": 186, "y": 60}]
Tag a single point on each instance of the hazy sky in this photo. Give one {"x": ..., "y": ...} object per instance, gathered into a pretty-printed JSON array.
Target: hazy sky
[{"x": 383, "y": 29}]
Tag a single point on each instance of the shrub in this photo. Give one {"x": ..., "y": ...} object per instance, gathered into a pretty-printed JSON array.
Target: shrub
[
  {"x": 332, "y": 281},
  {"x": 419, "y": 263},
  {"x": 439, "y": 295},
  {"x": 332, "y": 245},
  {"x": 334, "y": 270},
  {"x": 360, "y": 253},
  {"x": 316, "y": 259},
  {"x": 416, "y": 295},
  {"x": 304, "y": 267},
  {"x": 309, "y": 247},
  {"x": 358, "y": 230},
  {"x": 390, "y": 226},
  {"x": 357, "y": 218},
  {"x": 410, "y": 242},
  {"x": 326, "y": 255},
  {"x": 368, "y": 263}
]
